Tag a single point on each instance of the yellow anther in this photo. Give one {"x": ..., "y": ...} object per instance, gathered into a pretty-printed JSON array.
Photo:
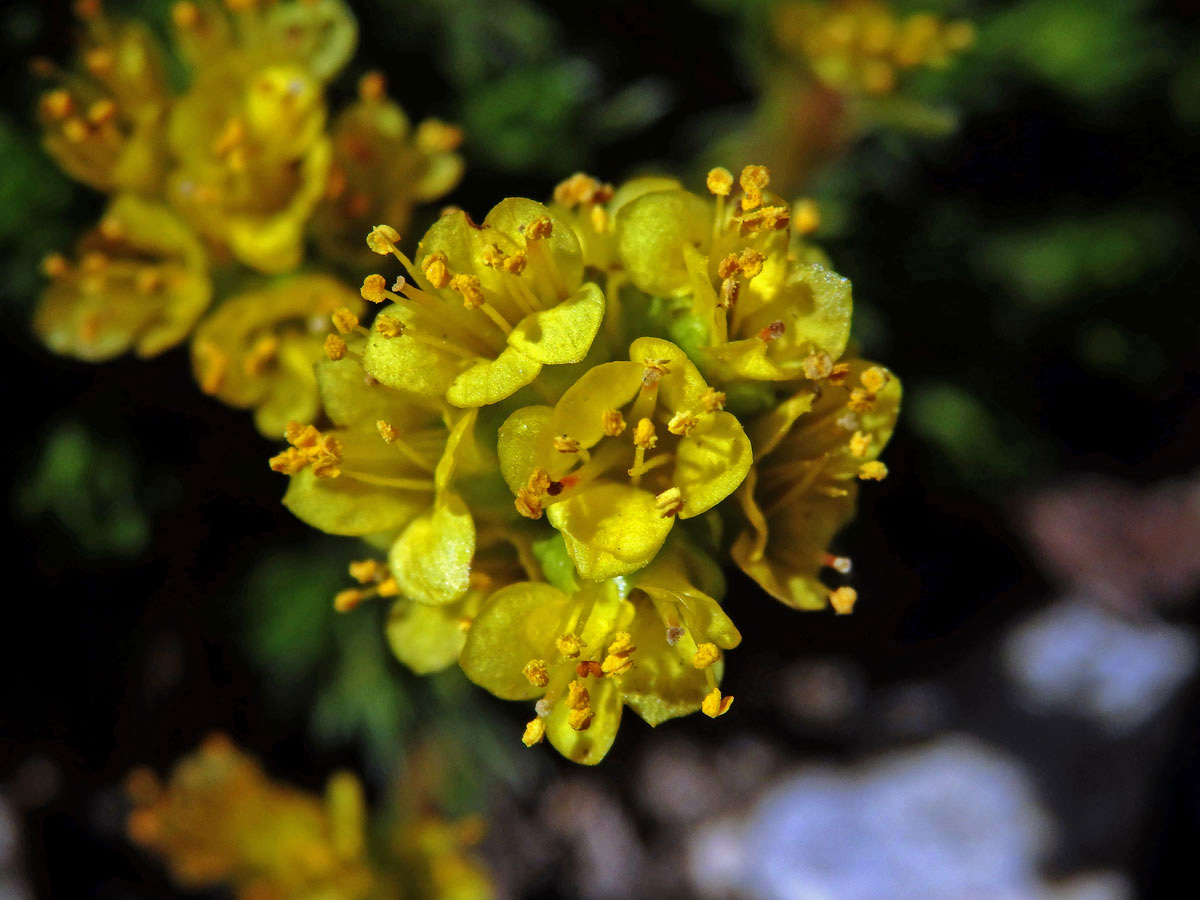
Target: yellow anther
[
  {"x": 806, "y": 216},
  {"x": 289, "y": 462},
  {"x": 615, "y": 664},
  {"x": 300, "y": 435},
  {"x": 580, "y": 189},
  {"x": 539, "y": 229},
  {"x": 75, "y": 130},
  {"x": 817, "y": 366},
  {"x": 344, "y": 320},
  {"x": 261, "y": 355},
  {"x": 875, "y": 379},
  {"x": 387, "y": 431},
  {"x": 335, "y": 347},
  {"x": 528, "y": 504},
  {"x": 614, "y": 422},
  {"x": 389, "y": 326},
  {"x": 493, "y": 257},
  {"x": 54, "y": 265},
  {"x": 715, "y": 705},
  {"x": 644, "y": 435},
  {"x": 622, "y": 644},
  {"x": 682, "y": 423},
  {"x": 327, "y": 467},
  {"x": 367, "y": 571},
  {"x": 712, "y": 400},
  {"x": 185, "y": 15},
  {"x": 346, "y": 600},
  {"x": 600, "y": 219},
  {"x": 389, "y": 587},
  {"x": 719, "y": 181},
  {"x": 470, "y": 288},
  {"x": 860, "y": 443},
  {"x": 842, "y": 600},
  {"x": 729, "y": 293},
  {"x": 149, "y": 281},
  {"x": 233, "y": 134},
  {"x": 580, "y": 719},
  {"x": 872, "y": 471},
  {"x": 569, "y": 646},
  {"x": 539, "y": 481},
  {"x": 577, "y": 695},
  {"x": 838, "y": 375},
  {"x": 861, "y": 400},
  {"x": 768, "y": 218},
  {"x": 58, "y": 104},
  {"x": 99, "y": 61},
  {"x": 372, "y": 87},
  {"x": 536, "y": 673},
  {"x": 653, "y": 370},
  {"x": 535, "y": 731},
  {"x": 728, "y": 266},
  {"x": 101, "y": 112},
  {"x": 565, "y": 444},
  {"x": 374, "y": 288},
  {"x": 383, "y": 239},
  {"x": 515, "y": 264},
  {"x": 753, "y": 180},
  {"x": 669, "y": 502},
  {"x": 751, "y": 263},
  {"x": 705, "y": 656}
]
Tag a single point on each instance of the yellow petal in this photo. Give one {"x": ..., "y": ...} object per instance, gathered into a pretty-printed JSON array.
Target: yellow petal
[
  {"x": 766, "y": 431},
  {"x": 516, "y": 624},
  {"x": 426, "y": 638},
  {"x": 652, "y": 232},
  {"x": 492, "y": 380},
  {"x": 525, "y": 439},
  {"x": 711, "y": 462},
  {"x": 663, "y": 683},
  {"x": 563, "y": 333},
  {"x": 510, "y": 218},
  {"x": 431, "y": 559},
  {"x": 580, "y": 411},
  {"x": 683, "y": 383},
  {"x": 350, "y": 507},
  {"x": 407, "y": 364},
  {"x": 592, "y": 744},
  {"x": 610, "y": 529}
]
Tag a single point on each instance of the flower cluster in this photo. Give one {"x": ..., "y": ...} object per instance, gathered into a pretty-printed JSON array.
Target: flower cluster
[
  {"x": 562, "y": 418},
  {"x": 219, "y": 186},
  {"x": 220, "y": 821}
]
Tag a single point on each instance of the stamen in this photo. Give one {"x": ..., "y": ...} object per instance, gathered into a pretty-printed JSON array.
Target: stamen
[
  {"x": 536, "y": 672},
  {"x": 682, "y": 424},
  {"x": 535, "y": 731},
  {"x": 860, "y": 444},
  {"x": 569, "y": 646},
  {"x": 712, "y": 400},
  {"x": 753, "y": 180},
  {"x": 872, "y": 471},
  {"x": 391, "y": 435},
  {"x": 838, "y": 563},
  {"x": 806, "y": 216},
  {"x": 614, "y": 422},
  {"x": 817, "y": 366},
  {"x": 669, "y": 503},
  {"x": 842, "y": 600},
  {"x": 715, "y": 705},
  {"x": 706, "y": 654}
]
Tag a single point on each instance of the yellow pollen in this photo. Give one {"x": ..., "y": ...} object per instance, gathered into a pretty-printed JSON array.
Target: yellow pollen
[
  {"x": 289, "y": 462},
  {"x": 335, "y": 347},
  {"x": 383, "y": 239},
  {"x": 622, "y": 644},
  {"x": 706, "y": 655},
  {"x": 515, "y": 264},
  {"x": 860, "y": 443},
  {"x": 577, "y": 695},
  {"x": 875, "y": 379},
  {"x": 580, "y": 719},
  {"x": 861, "y": 400},
  {"x": 374, "y": 289},
  {"x": 751, "y": 263},
  {"x": 372, "y": 87},
  {"x": 616, "y": 664},
  {"x": 614, "y": 422},
  {"x": 493, "y": 257},
  {"x": 669, "y": 502},
  {"x": 644, "y": 436},
  {"x": 528, "y": 504},
  {"x": 539, "y": 481},
  {"x": 58, "y": 103},
  {"x": 729, "y": 293},
  {"x": 539, "y": 228},
  {"x": 535, "y": 731},
  {"x": 470, "y": 288},
  {"x": 712, "y": 400},
  {"x": 682, "y": 423},
  {"x": 842, "y": 600},
  {"x": 54, "y": 265},
  {"x": 344, "y": 320},
  {"x": 389, "y": 587},
  {"x": 728, "y": 266},
  {"x": 387, "y": 431},
  {"x": 185, "y": 15},
  {"x": 714, "y": 704},
  {"x": 102, "y": 111},
  {"x": 389, "y": 326},
  {"x": 75, "y": 130},
  {"x": 753, "y": 179},
  {"x": 346, "y": 600},
  {"x": 99, "y": 61},
  {"x": 768, "y": 218},
  {"x": 536, "y": 673},
  {"x": 719, "y": 181},
  {"x": 872, "y": 471},
  {"x": 817, "y": 366},
  {"x": 569, "y": 646},
  {"x": 565, "y": 444},
  {"x": 806, "y": 216},
  {"x": 838, "y": 375},
  {"x": 580, "y": 189}
]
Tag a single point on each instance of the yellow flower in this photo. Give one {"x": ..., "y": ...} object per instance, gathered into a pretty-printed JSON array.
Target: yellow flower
[
  {"x": 802, "y": 490},
  {"x": 381, "y": 169},
  {"x": 221, "y": 821},
  {"x": 103, "y": 123},
  {"x": 637, "y": 642},
  {"x": 491, "y": 305},
  {"x": 257, "y": 350},
  {"x": 862, "y": 46},
  {"x": 613, "y": 491},
  {"x": 760, "y": 303},
  {"x": 140, "y": 281}
]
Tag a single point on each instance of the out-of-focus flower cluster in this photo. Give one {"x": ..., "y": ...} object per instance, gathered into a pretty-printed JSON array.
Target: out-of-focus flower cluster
[
  {"x": 564, "y": 418},
  {"x": 220, "y": 190},
  {"x": 220, "y": 820}
]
